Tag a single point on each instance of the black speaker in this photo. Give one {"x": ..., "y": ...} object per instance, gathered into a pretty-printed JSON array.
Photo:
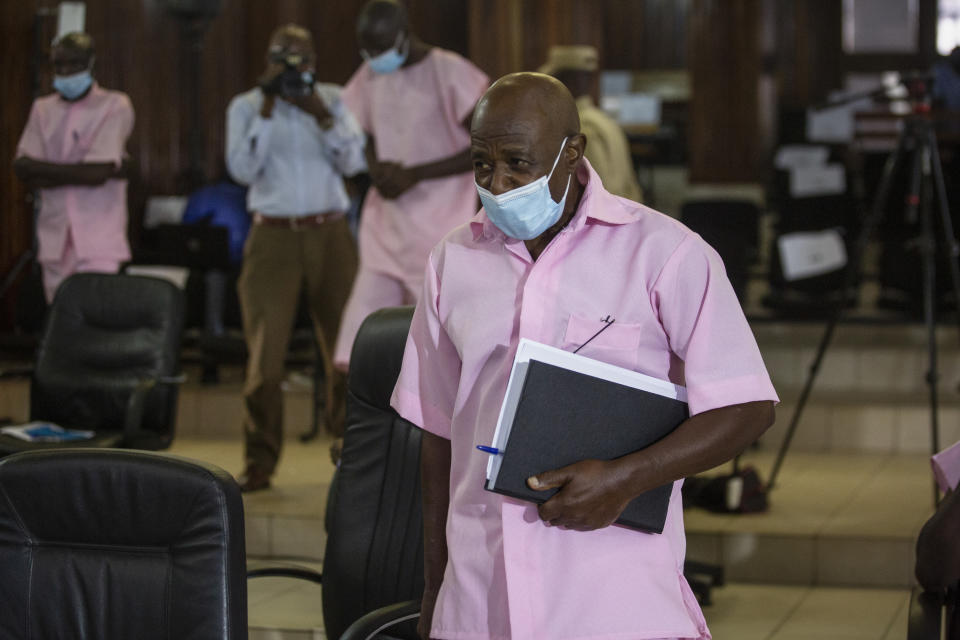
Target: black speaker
[{"x": 193, "y": 8}]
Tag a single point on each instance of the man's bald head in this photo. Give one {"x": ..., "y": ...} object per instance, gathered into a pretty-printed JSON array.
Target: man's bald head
[
  {"x": 379, "y": 24},
  {"x": 522, "y": 125},
  {"x": 534, "y": 97}
]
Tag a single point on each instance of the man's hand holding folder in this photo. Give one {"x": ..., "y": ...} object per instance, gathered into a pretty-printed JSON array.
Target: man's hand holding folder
[
  {"x": 592, "y": 494},
  {"x": 616, "y": 439}
]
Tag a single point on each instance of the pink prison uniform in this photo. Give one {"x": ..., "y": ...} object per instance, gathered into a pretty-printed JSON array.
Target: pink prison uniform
[
  {"x": 946, "y": 467},
  {"x": 80, "y": 228},
  {"x": 416, "y": 116},
  {"x": 677, "y": 318}
]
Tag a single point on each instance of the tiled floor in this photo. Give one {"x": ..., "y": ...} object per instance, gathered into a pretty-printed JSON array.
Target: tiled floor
[
  {"x": 835, "y": 519},
  {"x": 289, "y": 610}
]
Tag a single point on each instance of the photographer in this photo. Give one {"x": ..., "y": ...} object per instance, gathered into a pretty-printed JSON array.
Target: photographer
[{"x": 292, "y": 141}]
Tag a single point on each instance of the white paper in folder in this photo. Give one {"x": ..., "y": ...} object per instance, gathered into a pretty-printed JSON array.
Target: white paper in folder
[{"x": 811, "y": 253}]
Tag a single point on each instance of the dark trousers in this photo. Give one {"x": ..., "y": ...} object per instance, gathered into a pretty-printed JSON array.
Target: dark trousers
[{"x": 278, "y": 263}]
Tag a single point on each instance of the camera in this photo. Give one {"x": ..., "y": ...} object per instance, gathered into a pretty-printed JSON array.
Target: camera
[{"x": 290, "y": 82}]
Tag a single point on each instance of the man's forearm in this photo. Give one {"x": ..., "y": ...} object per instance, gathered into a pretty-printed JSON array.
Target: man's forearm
[
  {"x": 451, "y": 165},
  {"x": 702, "y": 442},
  {"x": 39, "y": 174},
  {"x": 435, "y": 482}
]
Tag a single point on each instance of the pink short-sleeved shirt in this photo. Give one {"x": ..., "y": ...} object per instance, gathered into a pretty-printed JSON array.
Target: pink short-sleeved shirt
[
  {"x": 92, "y": 129},
  {"x": 415, "y": 115},
  {"x": 946, "y": 467},
  {"x": 677, "y": 317}
]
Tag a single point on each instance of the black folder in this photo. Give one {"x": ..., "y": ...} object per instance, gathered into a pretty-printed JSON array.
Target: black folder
[{"x": 565, "y": 416}]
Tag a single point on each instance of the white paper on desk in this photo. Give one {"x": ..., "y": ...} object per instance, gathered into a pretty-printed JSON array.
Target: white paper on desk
[
  {"x": 71, "y": 16},
  {"x": 830, "y": 125},
  {"x": 801, "y": 155},
  {"x": 827, "y": 180},
  {"x": 639, "y": 108},
  {"x": 164, "y": 210},
  {"x": 615, "y": 83},
  {"x": 529, "y": 350},
  {"x": 805, "y": 254}
]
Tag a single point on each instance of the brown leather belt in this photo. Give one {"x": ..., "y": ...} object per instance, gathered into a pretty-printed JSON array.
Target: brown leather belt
[{"x": 297, "y": 222}]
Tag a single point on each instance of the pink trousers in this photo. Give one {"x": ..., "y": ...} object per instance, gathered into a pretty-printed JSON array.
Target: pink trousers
[
  {"x": 55, "y": 272},
  {"x": 372, "y": 290}
]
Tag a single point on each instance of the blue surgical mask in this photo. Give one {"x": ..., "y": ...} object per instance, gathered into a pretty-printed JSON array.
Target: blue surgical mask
[
  {"x": 526, "y": 212},
  {"x": 73, "y": 86},
  {"x": 391, "y": 59}
]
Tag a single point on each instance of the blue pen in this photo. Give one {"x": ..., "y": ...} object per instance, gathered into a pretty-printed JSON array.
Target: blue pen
[{"x": 491, "y": 450}]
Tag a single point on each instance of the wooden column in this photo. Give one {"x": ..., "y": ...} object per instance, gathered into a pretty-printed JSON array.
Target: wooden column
[
  {"x": 725, "y": 135},
  {"x": 16, "y": 226},
  {"x": 515, "y": 35}
]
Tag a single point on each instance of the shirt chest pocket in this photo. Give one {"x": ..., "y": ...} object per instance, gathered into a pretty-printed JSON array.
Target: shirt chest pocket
[{"x": 617, "y": 343}]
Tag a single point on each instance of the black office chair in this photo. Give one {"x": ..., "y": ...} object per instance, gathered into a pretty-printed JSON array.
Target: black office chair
[
  {"x": 732, "y": 228},
  {"x": 108, "y": 362},
  {"x": 929, "y": 610},
  {"x": 107, "y": 544},
  {"x": 937, "y": 601},
  {"x": 374, "y": 553}
]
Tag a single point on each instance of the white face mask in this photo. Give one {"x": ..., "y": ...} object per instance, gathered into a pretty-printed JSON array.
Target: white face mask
[
  {"x": 526, "y": 212},
  {"x": 391, "y": 59},
  {"x": 74, "y": 85}
]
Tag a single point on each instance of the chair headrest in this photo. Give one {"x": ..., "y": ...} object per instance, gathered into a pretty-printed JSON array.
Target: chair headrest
[
  {"x": 114, "y": 497},
  {"x": 378, "y": 353}
]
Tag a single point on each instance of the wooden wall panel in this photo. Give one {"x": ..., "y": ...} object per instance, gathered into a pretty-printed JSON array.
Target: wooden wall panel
[
  {"x": 645, "y": 34},
  {"x": 725, "y": 141},
  {"x": 515, "y": 35},
  {"x": 16, "y": 42}
]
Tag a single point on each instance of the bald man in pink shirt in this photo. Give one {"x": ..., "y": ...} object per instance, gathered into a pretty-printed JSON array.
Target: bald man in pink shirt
[
  {"x": 550, "y": 255},
  {"x": 414, "y": 101},
  {"x": 72, "y": 151}
]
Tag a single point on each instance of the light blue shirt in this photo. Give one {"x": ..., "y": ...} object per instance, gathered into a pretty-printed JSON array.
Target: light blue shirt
[{"x": 292, "y": 166}]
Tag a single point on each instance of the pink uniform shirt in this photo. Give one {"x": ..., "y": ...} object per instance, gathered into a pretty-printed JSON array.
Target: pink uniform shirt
[
  {"x": 676, "y": 317},
  {"x": 92, "y": 129},
  {"x": 415, "y": 115},
  {"x": 946, "y": 467}
]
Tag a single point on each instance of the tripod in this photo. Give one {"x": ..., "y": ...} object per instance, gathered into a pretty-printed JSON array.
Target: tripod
[{"x": 917, "y": 139}]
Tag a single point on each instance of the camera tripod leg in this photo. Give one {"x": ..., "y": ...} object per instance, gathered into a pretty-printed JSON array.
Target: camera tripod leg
[
  {"x": 850, "y": 277},
  {"x": 946, "y": 222},
  {"x": 921, "y": 194},
  {"x": 935, "y": 169}
]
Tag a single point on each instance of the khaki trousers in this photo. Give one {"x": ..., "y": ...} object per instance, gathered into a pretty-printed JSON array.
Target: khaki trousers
[{"x": 278, "y": 263}]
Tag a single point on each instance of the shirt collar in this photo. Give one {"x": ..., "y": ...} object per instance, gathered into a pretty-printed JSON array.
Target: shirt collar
[{"x": 596, "y": 205}]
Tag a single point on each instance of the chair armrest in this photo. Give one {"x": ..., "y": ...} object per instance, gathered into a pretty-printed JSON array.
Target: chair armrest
[
  {"x": 17, "y": 372},
  {"x": 133, "y": 418},
  {"x": 377, "y": 620},
  {"x": 300, "y": 573},
  {"x": 925, "y": 615}
]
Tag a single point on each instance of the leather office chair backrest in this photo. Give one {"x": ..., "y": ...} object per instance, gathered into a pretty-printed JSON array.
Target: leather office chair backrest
[
  {"x": 732, "y": 227},
  {"x": 108, "y": 544},
  {"x": 104, "y": 334},
  {"x": 374, "y": 554}
]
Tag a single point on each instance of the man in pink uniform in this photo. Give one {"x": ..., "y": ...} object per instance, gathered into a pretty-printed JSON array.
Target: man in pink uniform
[
  {"x": 72, "y": 151},
  {"x": 415, "y": 102},
  {"x": 550, "y": 255}
]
